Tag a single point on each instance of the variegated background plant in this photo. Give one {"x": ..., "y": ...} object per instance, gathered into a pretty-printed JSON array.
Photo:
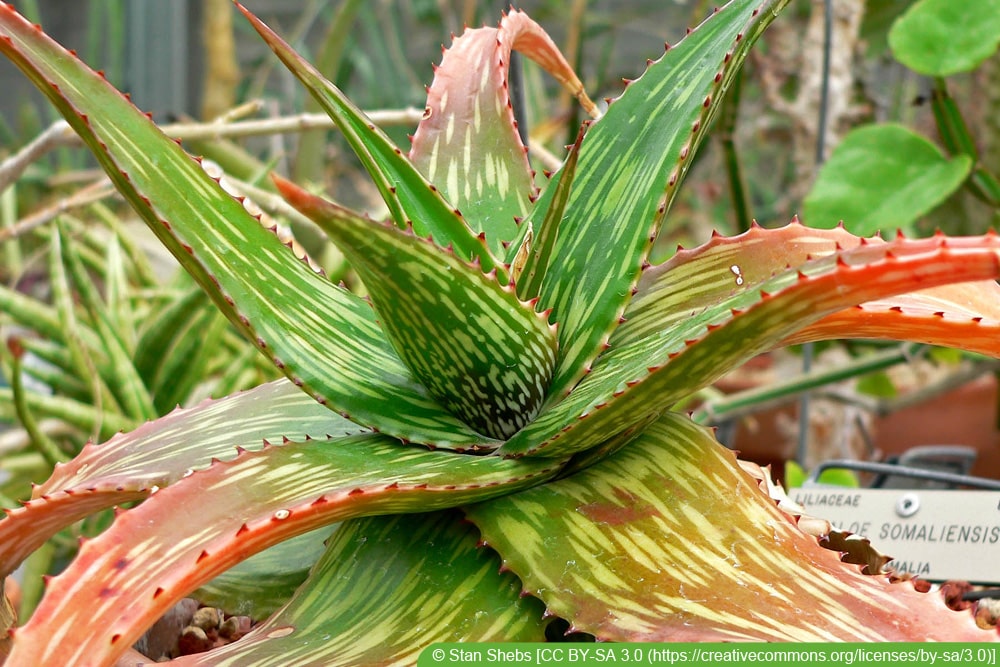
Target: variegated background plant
[{"x": 518, "y": 358}]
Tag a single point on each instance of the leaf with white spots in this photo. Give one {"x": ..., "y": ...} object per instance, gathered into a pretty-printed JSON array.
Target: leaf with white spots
[
  {"x": 158, "y": 453},
  {"x": 468, "y": 142},
  {"x": 400, "y": 584},
  {"x": 639, "y": 379},
  {"x": 485, "y": 355},
  {"x": 410, "y": 198},
  {"x": 670, "y": 540},
  {"x": 322, "y": 337},
  {"x": 630, "y": 166},
  {"x": 185, "y": 534}
]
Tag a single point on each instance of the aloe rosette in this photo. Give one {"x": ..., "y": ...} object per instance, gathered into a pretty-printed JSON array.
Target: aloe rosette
[{"x": 518, "y": 359}]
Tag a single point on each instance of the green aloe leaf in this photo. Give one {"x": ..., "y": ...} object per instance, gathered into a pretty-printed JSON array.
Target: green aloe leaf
[
  {"x": 322, "y": 337},
  {"x": 670, "y": 540},
  {"x": 208, "y": 521},
  {"x": 648, "y": 375},
  {"x": 410, "y": 198},
  {"x": 130, "y": 465},
  {"x": 943, "y": 37},
  {"x": 630, "y": 166},
  {"x": 537, "y": 250},
  {"x": 400, "y": 583},
  {"x": 468, "y": 141},
  {"x": 483, "y": 354},
  {"x": 882, "y": 178}
]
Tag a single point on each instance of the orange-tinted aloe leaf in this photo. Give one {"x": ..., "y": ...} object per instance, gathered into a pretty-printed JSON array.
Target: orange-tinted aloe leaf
[
  {"x": 964, "y": 315},
  {"x": 468, "y": 141},
  {"x": 697, "y": 278},
  {"x": 183, "y": 535},
  {"x": 128, "y": 466},
  {"x": 647, "y": 375},
  {"x": 670, "y": 540}
]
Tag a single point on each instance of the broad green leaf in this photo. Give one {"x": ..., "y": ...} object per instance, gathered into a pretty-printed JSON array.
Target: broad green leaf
[
  {"x": 647, "y": 376},
  {"x": 263, "y": 583},
  {"x": 670, "y": 540},
  {"x": 879, "y": 385},
  {"x": 630, "y": 166},
  {"x": 410, "y": 198},
  {"x": 468, "y": 142},
  {"x": 486, "y": 356},
  {"x": 882, "y": 178},
  {"x": 322, "y": 337},
  {"x": 205, "y": 523},
  {"x": 130, "y": 465},
  {"x": 944, "y": 37},
  {"x": 387, "y": 588},
  {"x": 795, "y": 476}
]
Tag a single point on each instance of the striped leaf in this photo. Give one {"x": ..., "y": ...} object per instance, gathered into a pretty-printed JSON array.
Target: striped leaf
[
  {"x": 707, "y": 275},
  {"x": 323, "y": 338},
  {"x": 410, "y": 198},
  {"x": 670, "y": 540},
  {"x": 631, "y": 164},
  {"x": 965, "y": 315},
  {"x": 129, "y": 466},
  {"x": 486, "y": 356},
  {"x": 387, "y": 588},
  {"x": 636, "y": 381},
  {"x": 187, "y": 533},
  {"x": 537, "y": 250},
  {"x": 468, "y": 141}
]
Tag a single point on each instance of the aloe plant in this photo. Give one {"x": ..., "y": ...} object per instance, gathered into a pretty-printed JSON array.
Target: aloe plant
[{"x": 518, "y": 359}]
